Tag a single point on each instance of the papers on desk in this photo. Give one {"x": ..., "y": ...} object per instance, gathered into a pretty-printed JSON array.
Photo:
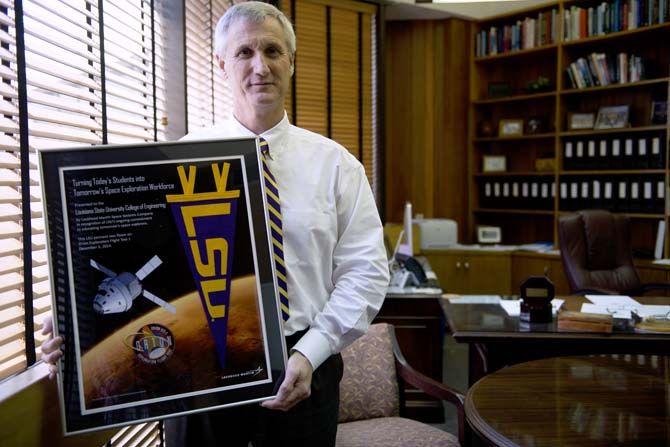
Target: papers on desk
[
  {"x": 621, "y": 306},
  {"x": 513, "y": 307},
  {"x": 474, "y": 299}
]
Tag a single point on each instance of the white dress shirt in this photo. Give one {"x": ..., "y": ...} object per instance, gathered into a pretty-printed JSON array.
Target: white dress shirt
[{"x": 333, "y": 238}]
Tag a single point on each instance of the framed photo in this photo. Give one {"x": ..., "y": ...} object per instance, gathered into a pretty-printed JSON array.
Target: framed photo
[
  {"x": 579, "y": 121},
  {"x": 489, "y": 234},
  {"x": 612, "y": 117},
  {"x": 659, "y": 112},
  {"x": 162, "y": 280},
  {"x": 494, "y": 163},
  {"x": 508, "y": 128}
]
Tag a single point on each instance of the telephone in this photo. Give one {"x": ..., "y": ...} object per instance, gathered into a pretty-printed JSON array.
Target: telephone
[{"x": 410, "y": 273}]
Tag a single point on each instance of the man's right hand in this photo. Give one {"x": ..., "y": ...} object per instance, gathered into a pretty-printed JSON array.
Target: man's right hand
[{"x": 51, "y": 351}]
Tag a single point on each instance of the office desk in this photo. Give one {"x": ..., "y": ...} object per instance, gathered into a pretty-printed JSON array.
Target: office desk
[
  {"x": 576, "y": 401},
  {"x": 495, "y": 339},
  {"x": 419, "y": 327}
]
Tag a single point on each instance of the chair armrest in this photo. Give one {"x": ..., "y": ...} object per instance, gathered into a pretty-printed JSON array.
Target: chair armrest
[
  {"x": 654, "y": 286},
  {"x": 429, "y": 386}
]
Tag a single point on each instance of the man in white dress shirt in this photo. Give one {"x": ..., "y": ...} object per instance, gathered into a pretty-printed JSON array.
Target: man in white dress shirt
[{"x": 333, "y": 242}]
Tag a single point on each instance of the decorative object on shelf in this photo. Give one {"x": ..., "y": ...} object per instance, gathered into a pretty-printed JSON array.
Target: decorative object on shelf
[
  {"x": 541, "y": 84},
  {"x": 580, "y": 121},
  {"x": 612, "y": 117},
  {"x": 510, "y": 127},
  {"x": 499, "y": 89},
  {"x": 485, "y": 128},
  {"x": 536, "y": 295},
  {"x": 487, "y": 234},
  {"x": 545, "y": 164},
  {"x": 535, "y": 125},
  {"x": 659, "y": 112},
  {"x": 494, "y": 163}
]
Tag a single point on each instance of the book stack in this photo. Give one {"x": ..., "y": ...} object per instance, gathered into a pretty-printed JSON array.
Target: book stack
[
  {"x": 600, "y": 69},
  {"x": 612, "y": 17},
  {"x": 528, "y": 33},
  {"x": 569, "y": 321}
]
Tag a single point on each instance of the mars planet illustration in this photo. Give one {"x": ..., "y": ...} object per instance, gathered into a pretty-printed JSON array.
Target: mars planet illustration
[{"x": 112, "y": 367}]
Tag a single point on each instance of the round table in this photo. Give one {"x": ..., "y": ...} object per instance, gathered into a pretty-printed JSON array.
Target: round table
[{"x": 613, "y": 400}]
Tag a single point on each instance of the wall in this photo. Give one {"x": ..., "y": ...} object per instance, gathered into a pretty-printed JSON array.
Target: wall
[{"x": 427, "y": 75}]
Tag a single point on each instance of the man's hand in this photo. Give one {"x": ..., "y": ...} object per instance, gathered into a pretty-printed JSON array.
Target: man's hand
[
  {"x": 51, "y": 348},
  {"x": 297, "y": 384}
]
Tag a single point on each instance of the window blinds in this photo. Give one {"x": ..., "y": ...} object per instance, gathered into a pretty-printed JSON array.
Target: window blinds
[{"x": 208, "y": 97}]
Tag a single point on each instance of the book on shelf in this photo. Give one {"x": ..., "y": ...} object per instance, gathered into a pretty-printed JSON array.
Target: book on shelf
[
  {"x": 612, "y": 17},
  {"x": 600, "y": 69},
  {"x": 530, "y": 32}
]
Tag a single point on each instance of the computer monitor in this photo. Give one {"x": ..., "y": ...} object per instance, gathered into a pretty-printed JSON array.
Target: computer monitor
[{"x": 407, "y": 247}]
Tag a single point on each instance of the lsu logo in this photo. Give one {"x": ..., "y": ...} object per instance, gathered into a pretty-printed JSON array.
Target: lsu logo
[{"x": 206, "y": 225}]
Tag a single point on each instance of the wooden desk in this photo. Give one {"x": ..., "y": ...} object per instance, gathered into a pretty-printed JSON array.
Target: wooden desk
[
  {"x": 495, "y": 339},
  {"x": 419, "y": 327},
  {"x": 594, "y": 401}
]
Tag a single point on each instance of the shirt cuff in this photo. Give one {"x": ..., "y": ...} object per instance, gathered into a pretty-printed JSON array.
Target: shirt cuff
[{"x": 314, "y": 347}]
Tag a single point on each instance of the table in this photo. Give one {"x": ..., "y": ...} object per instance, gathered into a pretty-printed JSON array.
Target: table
[
  {"x": 495, "y": 339},
  {"x": 577, "y": 401}
]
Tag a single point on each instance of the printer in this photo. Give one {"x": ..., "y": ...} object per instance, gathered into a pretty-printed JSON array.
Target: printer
[{"x": 435, "y": 234}]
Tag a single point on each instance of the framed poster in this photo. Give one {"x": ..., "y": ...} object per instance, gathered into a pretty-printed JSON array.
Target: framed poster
[{"x": 162, "y": 280}]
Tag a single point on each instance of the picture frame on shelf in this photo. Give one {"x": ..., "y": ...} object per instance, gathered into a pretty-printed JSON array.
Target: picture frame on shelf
[
  {"x": 510, "y": 128},
  {"x": 494, "y": 163},
  {"x": 612, "y": 117},
  {"x": 499, "y": 89},
  {"x": 581, "y": 121},
  {"x": 659, "y": 112}
]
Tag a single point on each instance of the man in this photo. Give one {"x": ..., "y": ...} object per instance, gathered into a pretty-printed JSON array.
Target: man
[{"x": 333, "y": 245}]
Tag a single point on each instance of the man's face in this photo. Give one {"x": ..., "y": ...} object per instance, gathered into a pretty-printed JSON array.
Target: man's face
[{"x": 257, "y": 64}]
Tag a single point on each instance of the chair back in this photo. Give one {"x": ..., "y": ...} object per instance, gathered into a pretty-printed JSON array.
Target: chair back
[
  {"x": 596, "y": 251},
  {"x": 369, "y": 386}
]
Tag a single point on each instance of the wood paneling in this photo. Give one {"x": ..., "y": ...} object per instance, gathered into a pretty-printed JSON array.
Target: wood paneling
[{"x": 426, "y": 118}]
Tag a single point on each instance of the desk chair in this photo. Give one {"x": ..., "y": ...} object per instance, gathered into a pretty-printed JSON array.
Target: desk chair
[
  {"x": 597, "y": 255},
  {"x": 371, "y": 404}
]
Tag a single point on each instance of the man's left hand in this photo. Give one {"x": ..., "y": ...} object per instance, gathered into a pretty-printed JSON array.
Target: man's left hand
[{"x": 297, "y": 384}]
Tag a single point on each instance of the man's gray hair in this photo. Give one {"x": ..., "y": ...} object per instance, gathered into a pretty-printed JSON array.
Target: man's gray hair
[{"x": 255, "y": 12}]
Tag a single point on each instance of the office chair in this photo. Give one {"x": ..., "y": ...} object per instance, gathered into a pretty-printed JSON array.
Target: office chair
[
  {"x": 597, "y": 255},
  {"x": 371, "y": 401}
]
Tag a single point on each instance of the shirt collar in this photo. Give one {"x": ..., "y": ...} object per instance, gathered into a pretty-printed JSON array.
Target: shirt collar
[{"x": 274, "y": 136}]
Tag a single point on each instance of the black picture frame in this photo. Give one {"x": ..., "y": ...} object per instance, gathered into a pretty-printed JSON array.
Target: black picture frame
[
  {"x": 209, "y": 335},
  {"x": 659, "y": 112}
]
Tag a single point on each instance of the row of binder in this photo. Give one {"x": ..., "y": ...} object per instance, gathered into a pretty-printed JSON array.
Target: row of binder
[
  {"x": 630, "y": 194},
  {"x": 518, "y": 193},
  {"x": 639, "y": 152}
]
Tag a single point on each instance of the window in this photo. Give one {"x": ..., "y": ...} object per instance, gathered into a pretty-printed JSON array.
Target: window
[
  {"x": 208, "y": 97},
  {"x": 80, "y": 88}
]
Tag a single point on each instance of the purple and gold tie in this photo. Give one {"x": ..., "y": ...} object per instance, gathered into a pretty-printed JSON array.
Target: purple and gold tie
[{"x": 272, "y": 194}]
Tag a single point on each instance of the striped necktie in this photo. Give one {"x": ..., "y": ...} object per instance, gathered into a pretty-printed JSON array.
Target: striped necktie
[{"x": 272, "y": 195}]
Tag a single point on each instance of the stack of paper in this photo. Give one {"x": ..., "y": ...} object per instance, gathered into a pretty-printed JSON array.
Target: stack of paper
[{"x": 621, "y": 306}]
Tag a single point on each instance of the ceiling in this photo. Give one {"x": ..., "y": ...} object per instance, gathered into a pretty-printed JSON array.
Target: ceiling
[{"x": 473, "y": 10}]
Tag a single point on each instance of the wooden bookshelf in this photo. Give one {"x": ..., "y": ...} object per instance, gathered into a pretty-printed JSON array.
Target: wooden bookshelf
[{"x": 519, "y": 68}]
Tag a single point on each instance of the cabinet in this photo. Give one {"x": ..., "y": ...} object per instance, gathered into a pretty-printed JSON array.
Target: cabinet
[
  {"x": 469, "y": 271},
  {"x": 534, "y": 264}
]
